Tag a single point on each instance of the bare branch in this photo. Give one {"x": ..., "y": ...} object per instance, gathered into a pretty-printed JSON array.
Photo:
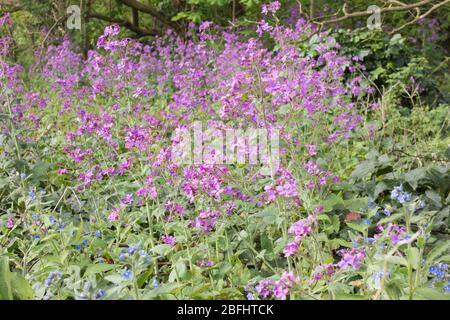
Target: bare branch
[
  {"x": 141, "y": 32},
  {"x": 421, "y": 16},
  {"x": 397, "y": 8},
  {"x": 151, "y": 11}
]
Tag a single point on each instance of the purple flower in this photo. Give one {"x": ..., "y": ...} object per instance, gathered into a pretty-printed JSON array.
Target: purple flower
[
  {"x": 125, "y": 165},
  {"x": 312, "y": 149},
  {"x": 206, "y": 220},
  {"x": 10, "y": 223},
  {"x": 351, "y": 258},
  {"x": 272, "y": 7},
  {"x": 114, "y": 215},
  {"x": 132, "y": 248},
  {"x": 283, "y": 285},
  {"x": 303, "y": 227},
  {"x": 264, "y": 288},
  {"x": 291, "y": 249},
  {"x": 205, "y": 263},
  {"x": 128, "y": 199}
]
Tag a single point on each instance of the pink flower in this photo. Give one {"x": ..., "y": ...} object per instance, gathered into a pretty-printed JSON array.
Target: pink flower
[
  {"x": 264, "y": 288},
  {"x": 170, "y": 240},
  {"x": 125, "y": 165},
  {"x": 112, "y": 30},
  {"x": 114, "y": 215},
  {"x": 128, "y": 199},
  {"x": 10, "y": 223},
  {"x": 205, "y": 263},
  {"x": 290, "y": 249},
  {"x": 351, "y": 258},
  {"x": 271, "y": 7},
  {"x": 206, "y": 220},
  {"x": 282, "y": 287},
  {"x": 312, "y": 149},
  {"x": 303, "y": 227}
]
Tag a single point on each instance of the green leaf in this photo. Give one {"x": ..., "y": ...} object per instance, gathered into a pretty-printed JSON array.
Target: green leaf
[
  {"x": 355, "y": 204},
  {"x": 437, "y": 251},
  {"x": 179, "y": 271},
  {"x": 435, "y": 197},
  {"x": 430, "y": 294},
  {"x": 336, "y": 223},
  {"x": 358, "y": 227},
  {"x": 223, "y": 269},
  {"x": 393, "y": 217},
  {"x": 414, "y": 257},
  {"x": 164, "y": 289},
  {"x": 331, "y": 202},
  {"x": 99, "y": 268},
  {"x": 268, "y": 215},
  {"x": 413, "y": 177},
  {"x": 397, "y": 260},
  {"x": 379, "y": 188},
  {"x": 21, "y": 289},
  {"x": 266, "y": 243},
  {"x": 39, "y": 170},
  {"x": 161, "y": 249},
  {"x": 143, "y": 278},
  {"x": 5, "y": 280},
  {"x": 348, "y": 296},
  {"x": 363, "y": 169}
]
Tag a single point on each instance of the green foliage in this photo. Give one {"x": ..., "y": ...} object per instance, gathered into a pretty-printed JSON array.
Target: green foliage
[
  {"x": 13, "y": 286},
  {"x": 393, "y": 61}
]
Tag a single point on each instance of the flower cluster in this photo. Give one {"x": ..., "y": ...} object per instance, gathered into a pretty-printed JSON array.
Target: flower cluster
[
  {"x": 395, "y": 232},
  {"x": 351, "y": 258},
  {"x": 299, "y": 230},
  {"x": 279, "y": 288},
  {"x": 206, "y": 220},
  {"x": 401, "y": 196},
  {"x": 52, "y": 276},
  {"x": 439, "y": 271}
]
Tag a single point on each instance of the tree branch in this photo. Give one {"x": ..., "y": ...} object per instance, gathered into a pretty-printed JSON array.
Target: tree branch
[
  {"x": 151, "y": 11},
  {"x": 135, "y": 17},
  {"x": 421, "y": 16},
  {"x": 399, "y": 7},
  {"x": 141, "y": 32}
]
